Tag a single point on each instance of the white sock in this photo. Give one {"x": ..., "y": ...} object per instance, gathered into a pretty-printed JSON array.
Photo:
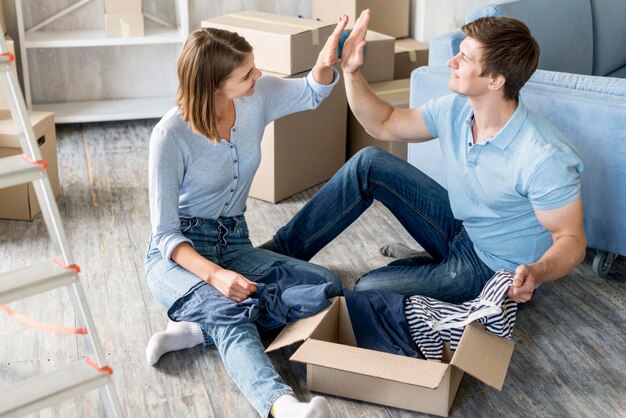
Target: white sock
[
  {"x": 288, "y": 406},
  {"x": 177, "y": 336}
]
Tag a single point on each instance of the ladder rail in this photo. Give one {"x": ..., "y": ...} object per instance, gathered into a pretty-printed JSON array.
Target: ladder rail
[{"x": 52, "y": 218}]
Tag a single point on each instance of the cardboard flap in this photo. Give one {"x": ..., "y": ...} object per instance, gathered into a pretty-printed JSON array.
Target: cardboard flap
[
  {"x": 300, "y": 330},
  {"x": 371, "y": 363},
  {"x": 483, "y": 355}
]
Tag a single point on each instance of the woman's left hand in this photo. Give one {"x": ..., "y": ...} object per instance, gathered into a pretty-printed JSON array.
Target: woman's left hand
[{"x": 328, "y": 55}]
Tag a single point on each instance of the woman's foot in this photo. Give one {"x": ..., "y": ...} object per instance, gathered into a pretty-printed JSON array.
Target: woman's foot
[
  {"x": 287, "y": 406},
  {"x": 177, "y": 336}
]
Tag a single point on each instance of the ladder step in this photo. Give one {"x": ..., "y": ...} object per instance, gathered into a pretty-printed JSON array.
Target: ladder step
[
  {"x": 40, "y": 392},
  {"x": 15, "y": 170},
  {"x": 34, "y": 279}
]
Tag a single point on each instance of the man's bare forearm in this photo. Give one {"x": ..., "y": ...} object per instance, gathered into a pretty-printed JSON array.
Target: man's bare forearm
[
  {"x": 560, "y": 259},
  {"x": 371, "y": 111}
]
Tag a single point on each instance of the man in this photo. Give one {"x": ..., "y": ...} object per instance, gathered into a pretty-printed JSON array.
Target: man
[{"x": 513, "y": 200}]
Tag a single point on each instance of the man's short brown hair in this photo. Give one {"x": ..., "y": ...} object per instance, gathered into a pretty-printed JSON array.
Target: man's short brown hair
[{"x": 508, "y": 49}]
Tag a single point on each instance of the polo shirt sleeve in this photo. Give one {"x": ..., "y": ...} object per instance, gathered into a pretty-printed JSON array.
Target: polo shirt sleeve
[
  {"x": 437, "y": 112},
  {"x": 556, "y": 180}
]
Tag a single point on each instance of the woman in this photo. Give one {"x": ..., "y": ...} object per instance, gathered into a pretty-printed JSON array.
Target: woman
[{"x": 203, "y": 156}]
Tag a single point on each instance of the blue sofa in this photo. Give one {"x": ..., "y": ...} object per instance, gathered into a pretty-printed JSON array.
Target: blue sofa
[{"x": 585, "y": 37}]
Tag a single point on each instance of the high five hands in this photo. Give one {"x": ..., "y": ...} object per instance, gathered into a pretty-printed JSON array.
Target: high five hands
[{"x": 352, "y": 54}]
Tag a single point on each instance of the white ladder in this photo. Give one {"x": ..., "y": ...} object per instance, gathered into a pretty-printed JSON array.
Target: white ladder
[{"x": 40, "y": 392}]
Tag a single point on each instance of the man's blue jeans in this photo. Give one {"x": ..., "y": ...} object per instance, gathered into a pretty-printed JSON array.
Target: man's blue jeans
[
  {"x": 226, "y": 242},
  {"x": 453, "y": 274}
]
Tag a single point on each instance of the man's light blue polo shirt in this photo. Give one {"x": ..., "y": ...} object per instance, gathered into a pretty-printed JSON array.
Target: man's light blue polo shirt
[{"x": 495, "y": 186}]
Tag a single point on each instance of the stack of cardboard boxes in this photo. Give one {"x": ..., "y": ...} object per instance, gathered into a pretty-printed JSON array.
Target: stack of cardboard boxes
[
  {"x": 123, "y": 17},
  {"x": 302, "y": 149},
  {"x": 390, "y": 55}
]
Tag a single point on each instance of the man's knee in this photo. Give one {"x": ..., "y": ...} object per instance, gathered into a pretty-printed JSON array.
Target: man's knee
[
  {"x": 367, "y": 155},
  {"x": 364, "y": 283}
]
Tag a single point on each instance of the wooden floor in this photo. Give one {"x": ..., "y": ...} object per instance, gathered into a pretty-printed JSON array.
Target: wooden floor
[{"x": 569, "y": 360}]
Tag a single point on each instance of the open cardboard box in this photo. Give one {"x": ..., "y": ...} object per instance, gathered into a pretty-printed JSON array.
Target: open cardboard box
[{"x": 336, "y": 366}]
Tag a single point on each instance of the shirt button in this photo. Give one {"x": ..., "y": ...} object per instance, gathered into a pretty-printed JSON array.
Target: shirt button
[
  {"x": 234, "y": 129},
  {"x": 232, "y": 190},
  {"x": 235, "y": 161},
  {"x": 236, "y": 177},
  {"x": 226, "y": 203},
  {"x": 469, "y": 143}
]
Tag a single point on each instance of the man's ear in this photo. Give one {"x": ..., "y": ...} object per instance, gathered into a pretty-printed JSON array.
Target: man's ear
[{"x": 497, "y": 82}]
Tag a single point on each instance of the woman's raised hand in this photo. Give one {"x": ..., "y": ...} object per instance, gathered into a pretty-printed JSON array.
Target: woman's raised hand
[
  {"x": 328, "y": 54},
  {"x": 352, "y": 54},
  {"x": 232, "y": 285}
]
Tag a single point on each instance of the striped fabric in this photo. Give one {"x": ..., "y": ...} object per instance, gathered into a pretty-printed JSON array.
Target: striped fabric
[{"x": 431, "y": 322}]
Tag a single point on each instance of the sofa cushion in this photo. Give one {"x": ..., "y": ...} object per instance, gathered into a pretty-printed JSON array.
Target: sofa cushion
[
  {"x": 609, "y": 34},
  {"x": 563, "y": 29}
]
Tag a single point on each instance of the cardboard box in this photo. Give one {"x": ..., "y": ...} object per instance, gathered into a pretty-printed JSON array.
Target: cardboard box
[
  {"x": 336, "y": 366},
  {"x": 123, "y": 7},
  {"x": 20, "y": 202},
  {"x": 390, "y": 17},
  {"x": 303, "y": 149},
  {"x": 3, "y": 98},
  {"x": 124, "y": 25},
  {"x": 282, "y": 44},
  {"x": 396, "y": 93},
  {"x": 378, "y": 57},
  {"x": 409, "y": 55}
]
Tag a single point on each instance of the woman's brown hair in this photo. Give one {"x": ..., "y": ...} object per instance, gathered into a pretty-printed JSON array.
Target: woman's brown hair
[
  {"x": 208, "y": 58},
  {"x": 508, "y": 49}
]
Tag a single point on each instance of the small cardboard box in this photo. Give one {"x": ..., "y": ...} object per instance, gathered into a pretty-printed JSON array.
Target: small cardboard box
[
  {"x": 11, "y": 46},
  {"x": 396, "y": 93},
  {"x": 20, "y": 202},
  {"x": 378, "y": 57},
  {"x": 282, "y": 44},
  {"x": 303, "y": 149},
  {"x": 336, "y": 366},
  {"x": 389, "y": 17},
  {"x": 409, "y": 55},
  {"x": 124, "y": 25},
  {"x": 121, "y": 7}
]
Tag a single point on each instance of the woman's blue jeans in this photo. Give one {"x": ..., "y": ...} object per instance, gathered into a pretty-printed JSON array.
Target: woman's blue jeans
[
  {"x": 454, "y": 273},
  {"x": 225, "y": 241}
]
